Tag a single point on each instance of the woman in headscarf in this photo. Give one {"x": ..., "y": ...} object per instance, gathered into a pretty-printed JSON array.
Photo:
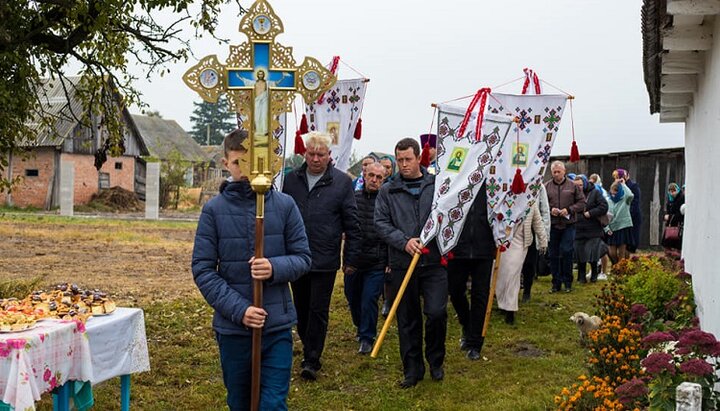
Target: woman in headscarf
[
  {"x": 589, "y": 246},
  {"x": 673, "y": 215},
  {"x": 620, "y": 229}
]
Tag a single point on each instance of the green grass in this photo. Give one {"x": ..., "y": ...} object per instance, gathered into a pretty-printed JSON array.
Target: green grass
[
  {"x": 186, "y": 372},
  {"x": 130, "y": 224}
]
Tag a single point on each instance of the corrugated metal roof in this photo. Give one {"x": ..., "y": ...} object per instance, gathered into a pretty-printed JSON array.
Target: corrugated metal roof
[
  {"x": 162, "y": 137},
  {"x": 56, "y": 104}
]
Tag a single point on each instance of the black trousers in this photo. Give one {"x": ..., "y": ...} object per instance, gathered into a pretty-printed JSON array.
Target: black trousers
[
  {"x": 431, "y": 283},
  {"x": 529, "y": 268},
  {"x": 311, "y": 295},
  {"x": 471, "y": 315}
]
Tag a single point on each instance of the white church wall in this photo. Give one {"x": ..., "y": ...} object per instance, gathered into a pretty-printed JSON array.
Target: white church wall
[{"x": 701, "y": 246}]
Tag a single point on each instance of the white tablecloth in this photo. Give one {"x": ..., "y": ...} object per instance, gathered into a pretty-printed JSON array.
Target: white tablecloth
[
  {"x": 35, "y": 361},
  {"x": 118, "y": 345}
]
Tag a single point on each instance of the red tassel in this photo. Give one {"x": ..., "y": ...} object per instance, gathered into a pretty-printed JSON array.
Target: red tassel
[
  {"x": 425, "y": 156},
  {"x": 443, "y": 261},
  {"x": 503, "y": 248},
  {"x": 304, "y": 125},
  {"x": 574, "y": 153},
  {"x": 358, "y": 130},
  {"x": 450, "y": 255},
  {"x": 518, "y": 185},
  {"x": 425, "y": 251},
  {"x": 500, "y": 217},
  {"x": 299, "y": 143}
]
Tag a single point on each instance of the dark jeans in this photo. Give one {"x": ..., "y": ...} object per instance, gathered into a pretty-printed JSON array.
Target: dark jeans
[
  {"x": 432, "y": 284},
  {"x": 362, "y": 290},
  {"x": 560, "y": 251},
  {"x": 311, "y": 295},
  {"x": 470, "y": 315},
  {"x": 582, "y": 270},
  {"x": 529, "y": 268},
  {"x": 236, "y": 362}
]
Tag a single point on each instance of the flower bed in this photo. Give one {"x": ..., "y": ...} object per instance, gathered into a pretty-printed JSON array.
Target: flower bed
[{"x": 649, "y": 342}]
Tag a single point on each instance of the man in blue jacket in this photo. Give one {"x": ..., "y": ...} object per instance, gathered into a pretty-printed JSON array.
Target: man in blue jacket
[
  {"x": 224, "y": 266},
  {"x": 325, "y": 197}
]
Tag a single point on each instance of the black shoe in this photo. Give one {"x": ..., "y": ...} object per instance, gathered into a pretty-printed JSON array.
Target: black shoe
[
  {"x": 408, "y": 382},
  {"x": 554, "y": 290},
  {"x": 567, "y": 289},
  {"x": 510, "y": 317},
  {"x": 437, "y": 374},
  {"x": 365, "y": 347},
  {"x": 385, "y": 308},
  {"x": 582, "y": 280},
  {"x": 525, "y": 298},
  {"x": 308, "y": 373},
  {"x": 473, "y": 354}
]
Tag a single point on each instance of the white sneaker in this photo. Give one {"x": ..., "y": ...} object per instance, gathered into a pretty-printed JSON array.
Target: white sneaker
[{"x": 602, "y": 277}]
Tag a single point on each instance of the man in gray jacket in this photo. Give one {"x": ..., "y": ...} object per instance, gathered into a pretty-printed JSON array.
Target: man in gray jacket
[{"x": 401, "y": 210}]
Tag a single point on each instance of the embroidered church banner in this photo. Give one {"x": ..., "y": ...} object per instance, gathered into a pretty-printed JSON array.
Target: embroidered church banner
[
  {"x": 527, "y": 147},
  {"x": 462, "y": 162},
  {"x": 338, "y": 115}
]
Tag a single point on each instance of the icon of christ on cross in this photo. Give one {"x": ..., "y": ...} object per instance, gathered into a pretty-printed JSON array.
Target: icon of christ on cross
[{"x": 261, "y": 80}]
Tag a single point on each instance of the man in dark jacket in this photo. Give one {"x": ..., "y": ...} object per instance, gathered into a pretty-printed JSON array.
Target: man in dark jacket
[
  {"x": 474, "y": 254},
  {"x": 401, "y": 209},
  {"x": 325, "y": 197},
  {"x": 224, "y": 266},
  {"x": 363, "y": 287},
  {"x": 566, "y": 200}
]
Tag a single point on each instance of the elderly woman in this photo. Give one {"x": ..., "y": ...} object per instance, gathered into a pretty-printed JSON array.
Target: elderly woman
[
  {"x": 620, "y": 229},
  {"x": 589, "y": 246},
  {"x": 673, "y": 215},
  {"x": 508, "y": 283}
]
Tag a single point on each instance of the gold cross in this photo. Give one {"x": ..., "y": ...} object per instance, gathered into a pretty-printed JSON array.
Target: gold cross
[{"x": 260, "y": 78}]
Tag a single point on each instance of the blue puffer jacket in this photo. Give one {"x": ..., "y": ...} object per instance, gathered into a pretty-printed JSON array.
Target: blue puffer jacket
[{"x": 225, "y": 242}]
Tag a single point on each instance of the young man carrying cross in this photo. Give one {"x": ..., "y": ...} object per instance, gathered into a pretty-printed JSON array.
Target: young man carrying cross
[{"x": 224, "y": 266}]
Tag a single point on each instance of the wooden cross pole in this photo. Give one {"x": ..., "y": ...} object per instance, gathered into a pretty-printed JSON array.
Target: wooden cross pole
[{"x": 260, "y": 78}]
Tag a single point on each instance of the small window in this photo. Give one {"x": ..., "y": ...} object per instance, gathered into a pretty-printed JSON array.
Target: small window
[
  {"x": 118, "y": 165},
  {"x": 32, "y": 172},
  {"x": 104, "y": 180}
]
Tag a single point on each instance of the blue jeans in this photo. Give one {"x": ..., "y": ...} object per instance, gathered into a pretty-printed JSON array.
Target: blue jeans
[
  {"x": 560, "y": 251},
  {"x": 236, "y": 362},
  {"x": 362, "y": 290}
]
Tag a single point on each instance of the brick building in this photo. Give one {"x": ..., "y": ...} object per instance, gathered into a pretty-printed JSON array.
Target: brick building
[{"x": 38, "y": 167}]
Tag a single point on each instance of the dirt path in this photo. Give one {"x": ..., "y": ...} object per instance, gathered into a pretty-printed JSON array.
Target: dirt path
[{"x": 136, "y": 262}]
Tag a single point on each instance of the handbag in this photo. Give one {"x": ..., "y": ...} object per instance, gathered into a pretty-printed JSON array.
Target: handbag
[{"x": 671, "y": 234}]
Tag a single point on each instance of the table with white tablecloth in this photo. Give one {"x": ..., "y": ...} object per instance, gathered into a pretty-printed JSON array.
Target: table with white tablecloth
[{"x": 55, "y": 353}]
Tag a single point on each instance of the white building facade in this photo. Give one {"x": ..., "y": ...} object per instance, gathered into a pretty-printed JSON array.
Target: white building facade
[{"x": 681, "y": 40}]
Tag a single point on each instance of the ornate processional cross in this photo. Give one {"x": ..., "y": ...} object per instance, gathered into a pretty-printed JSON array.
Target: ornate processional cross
[{"x": 260, "y": 78}]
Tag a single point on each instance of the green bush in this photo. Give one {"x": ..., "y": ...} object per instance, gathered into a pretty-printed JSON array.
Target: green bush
[{"x": 653, "y": 287}]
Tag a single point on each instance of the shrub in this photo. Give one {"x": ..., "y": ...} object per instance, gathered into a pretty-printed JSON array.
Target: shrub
[{"x": 19, "y": 288}]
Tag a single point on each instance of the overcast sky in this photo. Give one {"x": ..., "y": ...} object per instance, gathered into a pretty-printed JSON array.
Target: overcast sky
[{"x": 418, "y": 53}]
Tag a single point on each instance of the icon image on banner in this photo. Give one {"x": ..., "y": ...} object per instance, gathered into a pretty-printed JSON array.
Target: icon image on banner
[
  {"x": 311, "y": 80},
  {"x": 457, "y": 158},
  {"x": 520, "y": 156}
]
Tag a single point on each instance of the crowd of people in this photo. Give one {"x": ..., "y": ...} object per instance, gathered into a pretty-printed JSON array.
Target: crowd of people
[{"x": 323, "y": 221}]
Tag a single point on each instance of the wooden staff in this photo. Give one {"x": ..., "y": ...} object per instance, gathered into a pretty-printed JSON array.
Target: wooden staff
[
  {"x": 260, "y": 185},
  {"x": 493, "y": 283},
  {"x": 395, "y": 305}
]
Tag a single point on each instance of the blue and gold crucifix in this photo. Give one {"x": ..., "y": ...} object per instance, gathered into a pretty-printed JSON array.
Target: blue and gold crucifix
[{"x": 260, "y": 78}]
